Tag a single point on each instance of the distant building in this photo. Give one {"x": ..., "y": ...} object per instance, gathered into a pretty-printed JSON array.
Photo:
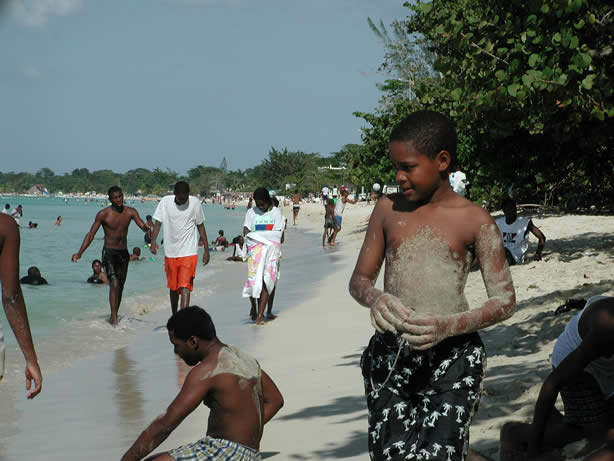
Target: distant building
[{"x": 37, "y": 189}]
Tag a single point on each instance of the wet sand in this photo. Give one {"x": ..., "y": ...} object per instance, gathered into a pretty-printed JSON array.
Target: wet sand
[{"x": 99, "y": 405}]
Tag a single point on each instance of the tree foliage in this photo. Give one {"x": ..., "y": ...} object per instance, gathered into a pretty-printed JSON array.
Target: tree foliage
[
  {"x": 279, "y": 168},
  {"x": 528, "y": 84}
]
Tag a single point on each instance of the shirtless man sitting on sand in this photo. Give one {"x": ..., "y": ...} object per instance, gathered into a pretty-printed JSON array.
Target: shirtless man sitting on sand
[
  {"x": 241, "y": 396},
  {"x": 115, "y": 220}
]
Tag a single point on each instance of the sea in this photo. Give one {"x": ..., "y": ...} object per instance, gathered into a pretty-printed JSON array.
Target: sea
[
  {"x": 68, "y": 302},
  {"x": 103, "y": 385}
]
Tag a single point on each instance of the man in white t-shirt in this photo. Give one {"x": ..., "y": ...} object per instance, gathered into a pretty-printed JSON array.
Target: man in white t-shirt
[
  {"x": 183, "y": 219},
  {"x": 325, "y": 192},
  {"x": 515, "y": 233}
]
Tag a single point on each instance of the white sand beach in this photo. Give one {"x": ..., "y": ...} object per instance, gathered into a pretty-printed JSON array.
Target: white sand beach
[
  {"x": 315, "y": 351},
  {"x": 312, "y": 351}
]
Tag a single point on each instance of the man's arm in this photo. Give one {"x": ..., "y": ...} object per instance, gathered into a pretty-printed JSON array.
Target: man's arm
[
  {"x": 153, "y": 246},
  {"x": 387, "y": 311},
  {"x": 540, "y": 237},
  {"x": 203, "y": 236},
  {"x": 190, "y": 396},
  {"x": 273, "y": 400},
  {"x": 89, "y": 237},
  {"x": 423, "y": 331},
  {"x": 139, "y": 222},
  {"x": 567, "y": 370},
  {"x": 14, "y": 304}
]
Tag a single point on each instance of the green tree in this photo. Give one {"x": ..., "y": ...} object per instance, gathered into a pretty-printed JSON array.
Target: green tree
[
  {"x": 528, "y": 84},
  {"x": 205, "y": 179}
]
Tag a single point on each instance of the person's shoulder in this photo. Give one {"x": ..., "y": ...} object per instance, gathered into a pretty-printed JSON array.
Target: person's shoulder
[
  {"x": 7, "y": 223},
  {"x": 164, "y": 202},
  {"x": 469, "y": 209},
  {"x": 389, "y": 201},
  {"x": 468, "y": 215}
]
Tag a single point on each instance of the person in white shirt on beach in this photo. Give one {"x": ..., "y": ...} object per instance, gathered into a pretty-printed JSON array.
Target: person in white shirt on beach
[
  {"x": 183, "y": 219},
  {"x": 339, "y": 207},
  {"x": 263, "y": 229},
  {"x": 515, "y": 233},
  {"x": 325, "y": 192}
]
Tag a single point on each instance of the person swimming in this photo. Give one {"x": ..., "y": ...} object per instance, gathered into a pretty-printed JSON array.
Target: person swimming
[
  {"x": 33, "y": 278},
  {"x": 98, "y": 277}
]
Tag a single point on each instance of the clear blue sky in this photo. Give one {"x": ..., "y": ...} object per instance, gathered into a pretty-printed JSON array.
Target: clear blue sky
[{"x": 123, "y": 84}]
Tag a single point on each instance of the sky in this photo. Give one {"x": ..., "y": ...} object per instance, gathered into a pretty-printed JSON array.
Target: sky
[{"x": 172, "y": 84}]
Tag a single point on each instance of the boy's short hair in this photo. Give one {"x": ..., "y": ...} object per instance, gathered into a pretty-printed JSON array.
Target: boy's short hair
[
  {"x": 113, "y": 189},
  {"x": 148, "y": 217},
  {"x": 181, "y": 187},
  {"x": 191, "y": 321},
  {"x": 262, "y": 194},
  {"x": 507, "y": 201},
  {"x": 430, "y": 132},
  {"x": 34, "y": 272},
  {"x": 221, "y": 232},
  {"x": 136, "y": 250},
  {"x": 96, "y": 261}
]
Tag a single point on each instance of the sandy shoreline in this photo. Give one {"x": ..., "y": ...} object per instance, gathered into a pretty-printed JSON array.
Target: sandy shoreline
[
  {"x": 312, "y": 351},
  {"x": 325, "y": 413}
]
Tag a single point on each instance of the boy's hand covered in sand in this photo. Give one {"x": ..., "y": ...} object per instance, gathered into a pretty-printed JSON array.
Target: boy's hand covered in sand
[
  {"x": 423, "y": 331},
  {"x": 389, "y": 314}
]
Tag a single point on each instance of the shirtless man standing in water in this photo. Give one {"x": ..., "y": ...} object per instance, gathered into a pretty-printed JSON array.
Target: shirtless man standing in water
[
  {"x": 115, "y": 220},
  {"x": 424, "y": 366},
  {"x": 241, "y": 396}
]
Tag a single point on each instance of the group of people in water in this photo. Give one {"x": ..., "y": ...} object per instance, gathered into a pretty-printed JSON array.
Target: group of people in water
[{"x": 424, "y": 365}]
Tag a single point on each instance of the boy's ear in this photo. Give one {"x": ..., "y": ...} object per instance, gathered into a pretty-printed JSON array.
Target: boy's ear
[{"x": 445, "y": 159}]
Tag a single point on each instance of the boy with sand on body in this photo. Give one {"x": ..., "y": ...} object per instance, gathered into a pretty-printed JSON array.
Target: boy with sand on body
[{"x": 424, "y": 366}]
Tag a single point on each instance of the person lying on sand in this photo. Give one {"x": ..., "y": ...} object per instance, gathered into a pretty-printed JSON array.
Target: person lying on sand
[
  {"x": 241, "y": 396},
  {"x": 583, "y": 373}
]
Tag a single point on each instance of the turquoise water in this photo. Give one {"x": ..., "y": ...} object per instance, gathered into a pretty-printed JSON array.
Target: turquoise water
[{"x": 68, "y": 302}]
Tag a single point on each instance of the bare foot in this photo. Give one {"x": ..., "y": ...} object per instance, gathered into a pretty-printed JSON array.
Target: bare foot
[
  {"x": 271, "y": 316},
  {"x": 259, "y": 322}
]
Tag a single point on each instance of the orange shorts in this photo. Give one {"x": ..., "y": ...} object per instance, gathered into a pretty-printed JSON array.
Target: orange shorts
[{"x": 180, "y": 272}]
